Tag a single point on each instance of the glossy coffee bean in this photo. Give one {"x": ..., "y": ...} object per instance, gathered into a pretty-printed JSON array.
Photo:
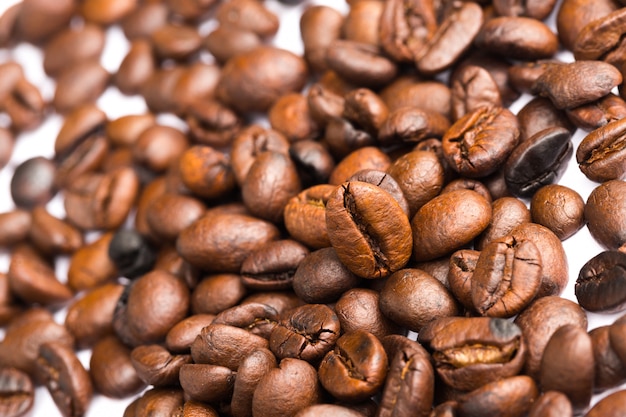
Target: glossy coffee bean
[
  {"x": 600, "y": 281},
  {"x": 17, "y": 392},
  {"x": 253, "y": 368},
  {"x": 216, "y": 293},
  {"x": 111, "y": 369},
  {"x": 181, "y": 336},
  {"x": 90, "y": 266},
  {"x": 600, "y": 155},
  {"x": 559, "y": 208},
  {"x": 305, "y": 216},
  {"x": 359, "y": 309},
  {"x": 319, "y": 26},
  {"x": 508, "y": 397},
  {"x": 605, "y": 215},
  {"x": 609, "y": 370},
  {"x": 156, "y": 366},
  {"x": 507, "y": 213},
  {"x": 32, "y": 182},
  {"x": 132, "y": 255},
  {"x": 52, "y": 235},
  {"x": 551, "y": 404},
  {"x": 610, "y": 406}
]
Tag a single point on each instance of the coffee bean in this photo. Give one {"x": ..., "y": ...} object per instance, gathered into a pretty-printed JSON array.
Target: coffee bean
[
  {"x": 14, "y": 227},
  {"x": 551, "y": 404},
  {"x": 181, "y": 335},
  {"x": 539, "y": 114},
  {"x": 359, "y": 309},
  {"x": 131, "y": 253},
  {"x": 598, "y": 113},
  {"x": 535, "y": 9},
  {"x": 610, "y": 406},
  {"x": 609, "y": 370},
  {"x": 507, "y": 213},
  {"x": 600, "y": 281},
  {"x": 604, "y": 214},
  {"x": 256, "y": 317},
  {"x": 216, "y": 293},
  {"x": 600, "y": 155},
  {"x": 253, "y": 368},
  {"x": 510, "y": 397},
  {"x": 518, "y": 38},
  {"x": 305, "y": 216},
  {"x": 32, "y": 182},
  {"x": 361, "y": 63},
  {"x": 156, "y": 366}
]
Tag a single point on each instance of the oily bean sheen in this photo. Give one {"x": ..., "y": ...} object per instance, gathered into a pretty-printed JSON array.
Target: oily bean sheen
[
  {"x": 605, "y": 214},
  {"x": 506, "y": 278},
  {"x": 574, "y": 15},
  {"x": 596, "y": 114},
  {"x": 507, "y": 213},
  {"x": 478, "y": 143},
  {"x": 508, "y": 397},
  {"x": 602, "y": 38},
  {"x": 601, "y": 283},
  {"x": 551, "y": 404},
  {"x": 538, "y": 9},
  {"x": 609, "y": 370},
  {"x": 368, "y": 229},
  {"x": 360, "y": 63},
  {"x": 601, "y": 156},
  {"x": 610, "y": 406},
  {"x": 448, "y": 222}
]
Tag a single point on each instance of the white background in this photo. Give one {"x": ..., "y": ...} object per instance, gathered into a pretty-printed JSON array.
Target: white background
[{"x": 579, "y": 248}]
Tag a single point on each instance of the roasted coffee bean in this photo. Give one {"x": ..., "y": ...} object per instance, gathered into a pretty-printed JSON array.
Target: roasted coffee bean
[
  {"x": 412, "y": 298},
  {"x": 600, "y": 283},
  {"x": 38, "y": 20},
  {"x": 33, "y": 279},
  {"x": 90, "y": 318},
  {"x": 181, "y": 336},
  {"x": 577, "y": 83},
  {"x": 373, "y": 252},
  {"x": 210, "y": 122},
  {"x": 616, "y": 336},
  {"x": 602, "y": 153},
  {"x": 71, "y": 46},
  {"x": 249, "y": 15},
  {"x": 540, "y": 320},
  {"x": 65, "y": 377},
  {"x": 365, "y": 110},
  {"x": 137, "y": 67},
  {"x": 412, "y": 124},
  {"x": 599, "y": 113},
  {"x": 144, "y": 19},
  {"x": 80, "y": 84},
  {"x": 610, "y": 29},
  {"x": 328, "y": 410},
  {"x": 386, "y": 182},
  {"x": 506, "y": 278},
  {"x": 177, "y": 42},
  {"x": 156, "y": 366},
  {"x": 471, "y": 352},
  {"x": 158, "y": 147},
  {"x": 208, "y": 245},
  {"x": 359, "y": 309},
  {"x": 411, "y": 91},
  {"x": 604, "y": 213},
  {"x": 313, "y": 162},
  {"x": 539, "y": 114},
  {"x": 479, "y": 143},
  {"x": 319, "y": 27},
  {"x": 270, "y": 183},
  {"x": 52, "y": 235},
  {"x": 224, "y": 345},
  {"x": 305, "y": 216},
  {"x": 206, "y": 171},
  {"x": 7, "y": 141},
  {"x": 149, "y": 307},
  {"x": 216, "y": 293},
  {"x": 536, "y": 9},
  {"x": 517, "y": 38},
  {"x": 253, "y": 368},
  {"x": 226, "y": 42},
  {"x": 567, "y": 365},
  {"x": 197, "y": 82},
  {"x": 540, "y": 160},
  {"x": 609, "y": 372},
  {"x": 574, "y": 15},
  {"x": 160, "y": 402},
  {"x": 257, "y": 318},
  {"x": 251, "y": 81},
  {"x": 360, "y": 63},
  {"x": 368, "y": 157},
  {"x": 342, "y": 138},
  {"x": 111, "y": 369},
  {"x": 189, "y": 9},
  {"x": 362, "y": 22},
  {"x": 90, "y": 266},
  {"x": 447, "y": 222},
  {"x": 462, "y": 264},
  {"x": 460, "y": 25},
  {"x": 32, "y": 182},
  {"x": 290, "y": 115},
  {"x": 18, "y": 393},
  {"x": 356, "y": 368},
  {"x": 15, "y": 227},
  {"x": 559, "y": 208},
  {"x": 169, "y": 214},
  {"x": 132, "y": 255},
  {"x": 125, "y": 130},
  {"x": 508, "y": 397},
  {"x": 472, "y": 87},
  {"x": 108, "y": 12},
  {"x": 308, "y": 333},
  {"x": 287, "y": 389},
  {"x": 468, "y": 184},
  {"x": 551, "y": 404},
  {"x": 321, "y": 277},
  {"x": 610, "y": 406}
]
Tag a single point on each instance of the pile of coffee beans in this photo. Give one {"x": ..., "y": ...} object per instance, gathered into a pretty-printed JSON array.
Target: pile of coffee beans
[{"x": 372, "y": 227}]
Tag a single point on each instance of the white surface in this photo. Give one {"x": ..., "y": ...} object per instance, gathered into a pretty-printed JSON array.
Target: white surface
[{"x": 579, "y": 248}]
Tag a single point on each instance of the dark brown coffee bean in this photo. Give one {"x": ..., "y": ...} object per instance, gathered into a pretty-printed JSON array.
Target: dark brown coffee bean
[
  {"x": 320, "y": 277},
  {"x": 609, "y": 372},
  {"x": 328, "y": 410},
  {"x": 462, "y": 264},
  {"x": 540, "y": 320},
  {"x": 599, "y": 113},
  {"x": 551, "y": 404},
  {"x": 178, "y": 42},
  {"x": 71, "y": 46},
  {"x": 90, "y": 318},
  {"x": 206, "y": 171},
  {"x": 32, "y": 182},
  {"x": 610, "y": 406},
  {"x": 478, "y": 144},
  {"x": 540, "y": 114},
  {"x": 574, "y": 15},
  {"x": 24, "y": 105},
  {"x": 208, "y": 245},
  {"x": 125, "y": 130},
  {"x": 156, "y": 366},
  {"x": 227, "y": 41},
  {"x": 386, "y": 182},
  {"x": 270, "y": 183},
  {"x": 17, "y": 392},
  {"x": 356, "y": 368},
  {"x": 189, "y": 9},
  {"x": 248, "y": 15},
  {"x": 461, "y": 23},
  {"x": 216, "y": 293},
  {"x": 253, "y": 368},
  {"x": 111, "y": 369},
  {"x": 508, "y": 397},
  {"x": 15, "y": 226},
  {"x": 536, "y": 9},
  {"x": 616, "y": 335},
  {"x": 137, "y": 67},
  {"x": 412, "y": 124},
  {"x": 290, "y": 115},
  {"x": 604, "y": 212},
  {"x": 144, "y": 20},
  {"x": 158, "y": 402},
  {"x": 158, "y": 147},
  {"x": 305, "y": 216},
  {"x": 601, "y": 154},
  {"x": 308, "y": 333},
  {"x": 353, "y": 210},
  {"x": 287, "y": 389},
  {"x": 65, "y": 377},
  {"x": 472, "y": 87},
  {"x": 518, "y": 38},
  {"x": 158, "y": 89},
  {"x": 447, "y": 222},
  {"x": 52, "y": 235},
  {"x": 408, "y": 91},
  {"x": 577, "y": 83},
  {"x": 150, "y": 307},
  {"x": 171, "y": 213},
  {"x": 90, "y": 266},
  {"x": 362, "y": 22},
  {"x": 540, "y": 160},
  {"x": 600, "y": 281},
  {"x": 38, "y": 20},
  {"x": 255, "y": 317},
  {"x": 181, "y": 335},
  {"x": 199, "y": 81},
  {"x": 610, "y": 29},
  {"x": 360, "y": 63},
  {"x": 368, "y": 157},
  {"x": 224, "y": 345},
  {"x": 131, "y": 253},
  {"x": 472, "y": 352},
  {"x": 567, "y": 365},
  {"x": 80, "y": 84},
  {"x": 251, "y": 81},
  {"x": 33, "y": 279},
  {"x": 359, "y": 309},
  {"x": 559, "y": 208},
  {"x": 313, "y": 161},
  {"x": 319, "y": 27},
  {"x": 412, "y": 298},
  {"x": 468, "y": 184},
  {"x": 273, "y": 266}
]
